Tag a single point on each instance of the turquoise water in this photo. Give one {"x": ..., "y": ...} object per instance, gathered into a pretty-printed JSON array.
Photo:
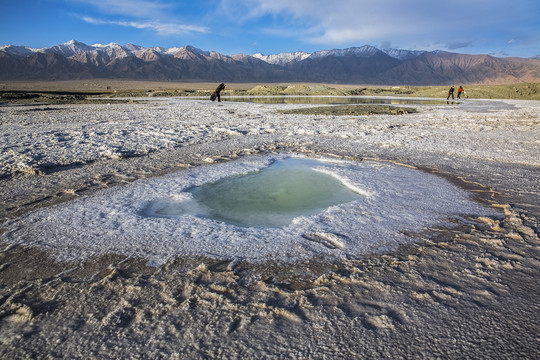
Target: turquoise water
[{"x": 270, "y": 197}]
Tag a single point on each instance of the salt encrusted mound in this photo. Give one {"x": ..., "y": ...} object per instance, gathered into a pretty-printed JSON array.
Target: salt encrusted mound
[{"x": 400, "y": 201}]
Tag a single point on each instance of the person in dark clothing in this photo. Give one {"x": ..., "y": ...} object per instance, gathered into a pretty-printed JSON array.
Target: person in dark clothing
[
  {"x": 451, "y": 93},
  {"x": 460, "y": 91},
  {"x": 216, "y": 93}
]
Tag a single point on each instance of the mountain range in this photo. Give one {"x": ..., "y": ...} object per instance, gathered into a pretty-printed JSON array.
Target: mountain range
[{"x": 367, "y": 65}]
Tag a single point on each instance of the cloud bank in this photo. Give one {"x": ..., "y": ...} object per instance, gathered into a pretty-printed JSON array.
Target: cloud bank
[
  {"x": 144, "y": 14},
  {"x": 474, "y": 26},
  {"x": 158, "y": 27},
  {"x": 425, "y": 23}
]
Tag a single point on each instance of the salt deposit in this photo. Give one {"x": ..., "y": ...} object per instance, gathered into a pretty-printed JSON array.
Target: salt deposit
[
  {"x": 441, "y": 259},
  {"x": 401, "y": 200}
]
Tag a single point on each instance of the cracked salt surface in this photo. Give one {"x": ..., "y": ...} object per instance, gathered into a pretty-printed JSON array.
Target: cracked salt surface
[
  {"x": 399, "y": 200},
  {"x": 469, "y": 292}
]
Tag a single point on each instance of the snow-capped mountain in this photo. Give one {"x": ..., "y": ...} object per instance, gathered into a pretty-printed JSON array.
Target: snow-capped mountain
[
  {"x": 68, "y": 49},
  {"x": 18, "y": 50},
  {"x": 364, "y": 51},
  {"x": 283, "y": 58},
  {"x": 74, "y": 48},
  {"x": 402, "y": 54},
  {"x": 361, "y": 65}
]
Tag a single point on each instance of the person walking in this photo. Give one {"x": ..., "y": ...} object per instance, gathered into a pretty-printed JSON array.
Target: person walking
[
  {"x": 460, "y": 91},
  {"x": 216, "y": 93},
  {"x": 451, "y": 93}
]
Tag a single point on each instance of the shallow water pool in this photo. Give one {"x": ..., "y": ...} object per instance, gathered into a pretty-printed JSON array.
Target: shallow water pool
[
  {"x": 374, "y": 207},
  {"x": 270, "y": 197}
]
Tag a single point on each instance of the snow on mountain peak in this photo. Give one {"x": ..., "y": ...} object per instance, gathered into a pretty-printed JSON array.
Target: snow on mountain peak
[
  {"x": 364, "y": 51},
  {"x": 76, "y": 49},
  {"x": 197, "y": 51},
  {"x": 111, "y": 45},
  {"x": 17, "y": 50},
  {"x": 283, "y": 58},
  {"x": 402, "y": 54},
  {"x": 69, "y": 48}
]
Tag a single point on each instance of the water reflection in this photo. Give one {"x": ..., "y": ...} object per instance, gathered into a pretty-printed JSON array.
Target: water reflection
[{"x": 337, "y": 100}]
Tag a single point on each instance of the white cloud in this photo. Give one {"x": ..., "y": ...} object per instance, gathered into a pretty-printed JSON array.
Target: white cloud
[
  {"x": 149, "y": 15},
  {"x": 160, "y": 28},
  {"x": 406, "y": 22}
]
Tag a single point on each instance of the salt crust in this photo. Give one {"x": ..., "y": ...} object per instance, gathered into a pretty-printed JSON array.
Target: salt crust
[{"x": 400, "y": 200}]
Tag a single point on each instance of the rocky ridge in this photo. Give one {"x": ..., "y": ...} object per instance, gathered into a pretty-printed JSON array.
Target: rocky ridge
[{"x": 357, "y": 65}]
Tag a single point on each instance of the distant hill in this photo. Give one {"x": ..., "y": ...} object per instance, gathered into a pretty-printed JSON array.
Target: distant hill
[{"x": 358, "y": 65}]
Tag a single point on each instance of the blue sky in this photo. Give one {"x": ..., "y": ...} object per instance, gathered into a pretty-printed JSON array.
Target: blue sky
[{"x": 496, "y": 27}]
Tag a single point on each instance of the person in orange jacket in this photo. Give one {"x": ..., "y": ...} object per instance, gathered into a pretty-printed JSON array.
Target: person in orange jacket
[{"x": 460, "y": 91}]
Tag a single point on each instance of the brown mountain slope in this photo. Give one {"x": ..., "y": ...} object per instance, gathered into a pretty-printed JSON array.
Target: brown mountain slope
[
  {"x": 189, "y": 63},
  {"x": 450, "y": 68}
]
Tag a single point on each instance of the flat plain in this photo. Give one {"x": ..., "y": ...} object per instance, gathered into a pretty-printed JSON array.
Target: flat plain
[{"x": 468, "y": 289}]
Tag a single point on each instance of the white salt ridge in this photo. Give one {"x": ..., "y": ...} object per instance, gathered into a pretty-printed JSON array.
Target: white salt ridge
[
  {"x": 113, "y": 221},
  {"x": 345, "y": 182},
  {"x": 331, "y": 241}
]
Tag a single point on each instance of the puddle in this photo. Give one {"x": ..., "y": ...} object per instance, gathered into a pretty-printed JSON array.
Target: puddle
[
  {"x": 298, "y": 208},
  {"x": 270, "y": 197}
]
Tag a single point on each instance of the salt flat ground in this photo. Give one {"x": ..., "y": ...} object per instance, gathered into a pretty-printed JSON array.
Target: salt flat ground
[{"x": 467, "y": 291}]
